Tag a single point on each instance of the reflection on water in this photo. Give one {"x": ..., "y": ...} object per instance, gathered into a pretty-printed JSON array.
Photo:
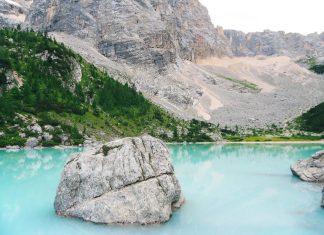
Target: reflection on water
[
  {"x": 25, "y": 164},
  {"x": 230, "y": 189}
]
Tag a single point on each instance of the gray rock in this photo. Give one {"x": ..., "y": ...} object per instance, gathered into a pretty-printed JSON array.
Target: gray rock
[
  {"x": 47, "y": 136},
  {"x": 22, "y": 135},
  {"x": 48, "y": 128},
  {"x": 31, "y": 142},
  {"x": 310, "y": 169},
  {"x": 127, "y": 181},
  {"x": 64, "y": 139},
  {"x": 13, "y": 12},
  {"x": 35, "y": 128}
]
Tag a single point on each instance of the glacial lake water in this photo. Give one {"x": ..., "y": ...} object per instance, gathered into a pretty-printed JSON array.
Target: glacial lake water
[{"x": 232, "y": 189}]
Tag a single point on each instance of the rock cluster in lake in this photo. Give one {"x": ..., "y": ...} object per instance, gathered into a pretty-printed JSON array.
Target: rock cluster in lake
[
  {"x": 310, "y": 169},
  {"x": 126, "y": 181}
]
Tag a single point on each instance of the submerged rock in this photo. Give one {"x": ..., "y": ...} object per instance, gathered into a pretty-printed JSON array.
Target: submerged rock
[
  {"x": 126, "y": 181},
  {"x": 310, "y": 169}
]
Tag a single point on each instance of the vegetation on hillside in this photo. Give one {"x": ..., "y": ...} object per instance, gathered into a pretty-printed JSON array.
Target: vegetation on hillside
[
  {"x": 313, "y": 64},
  {"x": 312, "y": 120},
  {"x": 318, "y": 68},
  {"x": 42, "y": 81}
]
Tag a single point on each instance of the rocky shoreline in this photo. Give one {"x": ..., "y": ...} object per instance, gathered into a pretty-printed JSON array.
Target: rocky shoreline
[
  {"x": 97, "y": 143},
  {"x": 90, "y": 143}
]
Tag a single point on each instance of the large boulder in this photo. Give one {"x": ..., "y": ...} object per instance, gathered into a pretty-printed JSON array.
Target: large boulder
[
  {"x": 310, "y": 169},
  {"x": 126, "y": 181}
]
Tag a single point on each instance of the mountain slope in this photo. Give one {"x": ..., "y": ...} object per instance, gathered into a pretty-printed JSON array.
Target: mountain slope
[
  {"x": 167, "y": 55},
  {"x": 43, "y": 83},
  {"x": 170, "y": 51}
]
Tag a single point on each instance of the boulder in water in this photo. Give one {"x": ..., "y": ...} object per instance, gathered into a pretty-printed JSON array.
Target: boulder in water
[
  {"x": 310, "y": 169},
  {"x": 126, "y": 181}
]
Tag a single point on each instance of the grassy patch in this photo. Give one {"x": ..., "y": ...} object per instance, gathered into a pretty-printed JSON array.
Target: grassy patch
[
  {"x": 11, "y": 141},
  {"x": 242, "y": 83}
]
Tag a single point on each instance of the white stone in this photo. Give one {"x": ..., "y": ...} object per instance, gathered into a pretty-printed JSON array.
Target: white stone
[
  {"x": 36, "y": 128},
  {"x": 47, "y": 136}
]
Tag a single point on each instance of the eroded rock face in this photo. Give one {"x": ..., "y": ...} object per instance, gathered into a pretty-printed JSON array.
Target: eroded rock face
[
  {"x": 145, "y": 32},
  {"x": 127, "y": 181},
  {"x": 13, "y": 12},
  {"x": 271, "y": 43},
  {"x": 310, "y": 169}
]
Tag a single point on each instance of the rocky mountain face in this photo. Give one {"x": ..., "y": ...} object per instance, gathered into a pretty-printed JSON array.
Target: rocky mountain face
[
  {"x": 172, "y": 53},
  {"x": 141, "y": 32},
  {"x": 271, "y": 43},
  {"x": 13, "y": 12}
]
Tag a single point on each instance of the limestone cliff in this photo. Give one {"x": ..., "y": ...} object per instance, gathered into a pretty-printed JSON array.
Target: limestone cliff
[
  {"x": 13, "y": 13},
  {"x": 271, "y": 43},
  {"x": 137, "y": 32}
]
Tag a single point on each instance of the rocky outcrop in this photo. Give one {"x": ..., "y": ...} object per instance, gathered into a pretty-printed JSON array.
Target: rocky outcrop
[
  {"x": 13, "y": 12},
  {"x": 310, "y": 169},
  {"x": 153, "y": 32},
  {"x": 146, "y": 32},
  {"x": 127, "y": 181},
  {"x": 271, "y": 43}
]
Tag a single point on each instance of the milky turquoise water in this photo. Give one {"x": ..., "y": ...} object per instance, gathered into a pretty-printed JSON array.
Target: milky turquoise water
[{"x": 230, "y": 189}]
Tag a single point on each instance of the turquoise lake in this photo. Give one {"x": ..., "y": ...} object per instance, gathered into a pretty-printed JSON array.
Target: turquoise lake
[{"x": 232, "y": 189}]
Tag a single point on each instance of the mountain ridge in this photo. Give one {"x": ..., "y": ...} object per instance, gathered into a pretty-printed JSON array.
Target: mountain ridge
[{"x": 158, "y": 47}]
